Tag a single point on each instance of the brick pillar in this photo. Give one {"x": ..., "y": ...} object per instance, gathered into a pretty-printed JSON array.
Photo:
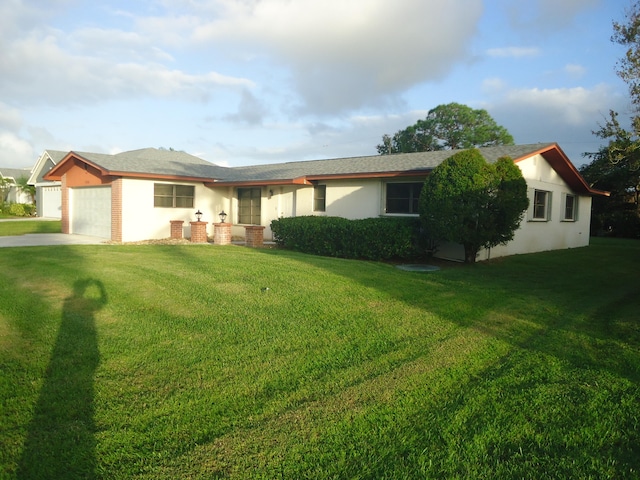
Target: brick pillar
[
  {"x": 254, "y": 235},
  {"x": 176, "y": 229},
  {"x": 116, "y": 210},
  {"x": 198, "y": 232},
  {"x": 65, "y": 205},
  {"x": 222, "y": 233}
]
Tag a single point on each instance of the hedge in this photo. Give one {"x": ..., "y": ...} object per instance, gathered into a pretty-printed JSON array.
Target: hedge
[
  {"x": 369, "y": 238},
  {"x": 19, "y": 209}
]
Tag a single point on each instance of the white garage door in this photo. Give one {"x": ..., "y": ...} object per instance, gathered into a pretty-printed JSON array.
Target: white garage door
[
  {"x": 51, "y": 201},
  {"x": 91, "y": 211}
]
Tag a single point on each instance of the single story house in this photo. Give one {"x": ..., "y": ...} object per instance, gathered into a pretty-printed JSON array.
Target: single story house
[
  {"x": 13, "y": 194},
  {"x": 48, "y": 192},
  {"x": 134, "y": 195}
]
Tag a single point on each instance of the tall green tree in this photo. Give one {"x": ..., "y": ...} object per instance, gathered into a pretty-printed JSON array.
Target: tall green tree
[
  {"x": 616, "y": 167},
  {"x": 451, "y": 126},
  {"x": 469, "y": 201}
]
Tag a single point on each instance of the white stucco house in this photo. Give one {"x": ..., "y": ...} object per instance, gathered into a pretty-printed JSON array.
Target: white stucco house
[
  {"x": 134, "y": 195},
  {"x": 48, "y": 193}
]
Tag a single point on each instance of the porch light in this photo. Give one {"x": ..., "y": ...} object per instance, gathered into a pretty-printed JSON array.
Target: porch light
[
  {"x": 222, "y": 216},
  {"x": 198, "y": 215}
]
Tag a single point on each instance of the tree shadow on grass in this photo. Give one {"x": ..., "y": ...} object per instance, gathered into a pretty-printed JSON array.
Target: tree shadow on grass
[{"x": 61, "y": 439}]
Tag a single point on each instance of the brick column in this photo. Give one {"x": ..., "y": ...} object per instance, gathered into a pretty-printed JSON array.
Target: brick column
[
  {"x": 254, "y": 235},
  {"x": 222, "y": 233},
  {"x": 176, "y": 229},
  {"x": 198, "y": 232},
  {"x": 65, "y": 205},
  {"x": 116, "y": 210}
]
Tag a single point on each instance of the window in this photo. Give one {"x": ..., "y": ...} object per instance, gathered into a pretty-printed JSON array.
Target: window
[
  {"x": 541, "y": 204},
  {"x": 249, "y": 205},
  {"x": 570, "y": 208},
  {"x": 403, "y": 197},
  {"x": 175, "y": 196},
  {"x": 320, "y": 198}
]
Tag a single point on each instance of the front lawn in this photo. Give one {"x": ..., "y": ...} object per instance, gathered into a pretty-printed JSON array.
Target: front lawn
[
  {"x": 23, "y": 227},
  {"x": 199, "y": 361}
]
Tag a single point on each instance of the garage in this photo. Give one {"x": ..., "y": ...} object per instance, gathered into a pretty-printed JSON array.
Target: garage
[
  {"x": 91, "y": 211},
  {"x": 49, "y": 203}
]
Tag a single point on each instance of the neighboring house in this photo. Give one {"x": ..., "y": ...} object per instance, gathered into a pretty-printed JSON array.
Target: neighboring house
[
  {"x": 134, "y": 195},
  {"x": 14, "y": 194},
  {"x": 48, "y": 193}
]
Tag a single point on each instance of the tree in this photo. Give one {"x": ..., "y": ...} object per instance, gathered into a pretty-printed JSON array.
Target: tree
[
  {"x": 5, "y": 187},
  {"x": 24, "y": 187},
  {"x": 451, "y": 126},
  {"x": 469, "y": 201},
  {"x": 616, "y": 167}
]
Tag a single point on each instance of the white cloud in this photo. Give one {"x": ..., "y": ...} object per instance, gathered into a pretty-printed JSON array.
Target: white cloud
[
  {"x": 345, "y": 55},
  {"x": 10, "y": 118},
  {"x": 250, "y": 110},
  {"x": 575, "y": 70},
  {"x": 15, "y": 152},
  {"x": 513, "y": 52},
  {"x": 564, "y": 115},
  {"x": 546, "y": 15},
  {"x": 37, "y": 70}
]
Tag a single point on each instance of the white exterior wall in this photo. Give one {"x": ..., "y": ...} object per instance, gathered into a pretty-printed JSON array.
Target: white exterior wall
[
  {"x": 142, "y": 221},
  {"x": 354, "y": 199},
  {"x": 351, "y": 199},
  {"x": 537, "y": 235}
]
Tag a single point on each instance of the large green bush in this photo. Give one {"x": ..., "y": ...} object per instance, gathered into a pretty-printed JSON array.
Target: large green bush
[
  {"x": 21, "y": 209},
  {"x": 369, "y": 238}
]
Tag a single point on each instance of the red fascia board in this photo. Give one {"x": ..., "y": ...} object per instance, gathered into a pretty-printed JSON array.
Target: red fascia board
[
  {"x": 68, "y": 162},
  {"x": 310, "y": 179},
  {"x": 256, "y": 183},
  {"x": 408, "y": 173},
  {"x": 569, "y": 173}
]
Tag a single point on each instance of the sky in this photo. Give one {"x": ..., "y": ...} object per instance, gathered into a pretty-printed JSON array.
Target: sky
[{"x": 247, "y": 82}]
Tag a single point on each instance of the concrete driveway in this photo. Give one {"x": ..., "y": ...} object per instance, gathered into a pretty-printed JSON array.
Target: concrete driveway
[{"x": 44, "y": 239}]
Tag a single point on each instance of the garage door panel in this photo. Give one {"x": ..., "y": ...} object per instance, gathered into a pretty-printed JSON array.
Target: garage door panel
[{"x": 91, "y": 211}]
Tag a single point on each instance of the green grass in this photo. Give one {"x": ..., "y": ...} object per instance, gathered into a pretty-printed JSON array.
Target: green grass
[
  {"x": 175, "y": 362},
  {"x": 23, "y": 227}
]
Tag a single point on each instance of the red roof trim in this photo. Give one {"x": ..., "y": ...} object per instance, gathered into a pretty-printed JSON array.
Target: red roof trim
[{"x": 561, "y": 164}]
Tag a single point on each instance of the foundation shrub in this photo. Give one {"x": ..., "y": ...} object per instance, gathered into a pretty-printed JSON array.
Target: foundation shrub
[{"x": 369, "y": 238}]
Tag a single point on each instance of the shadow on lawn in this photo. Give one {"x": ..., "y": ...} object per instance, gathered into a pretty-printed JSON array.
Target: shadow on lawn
[{"x": 60, "y": 442}]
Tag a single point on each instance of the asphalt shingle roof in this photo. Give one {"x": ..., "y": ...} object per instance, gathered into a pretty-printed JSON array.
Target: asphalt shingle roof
[
  {"x": 400, "y": 162},
  {"x": 155, "y": 161},
  {"x": 15, "y": 173},
  {"x": 172, "y": 163}
]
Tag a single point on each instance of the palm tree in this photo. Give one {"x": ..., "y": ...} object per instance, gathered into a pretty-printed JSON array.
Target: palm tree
[
  {"x": 5, "y": 186},
  {"x": 24, "y": 187}
]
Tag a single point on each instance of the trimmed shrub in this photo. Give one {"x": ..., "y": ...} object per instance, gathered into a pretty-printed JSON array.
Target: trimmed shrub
[
  {"x": 17, "y": 209},
  {"x": 369, "y": 238}
]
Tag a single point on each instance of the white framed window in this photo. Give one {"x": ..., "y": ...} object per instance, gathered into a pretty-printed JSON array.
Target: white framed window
[
  {"x": 173, "y": 196},
  {"x": 570, "y": 207},
  {"x": 320, "y": 198},
  {"x": 249, "y": 205},
  {"x": 402, "y": 198},
  {"x": 540, "y": 209}
]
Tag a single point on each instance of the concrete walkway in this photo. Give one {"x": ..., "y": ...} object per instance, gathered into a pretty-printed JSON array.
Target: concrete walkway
[{"x": 45, "y": 239}]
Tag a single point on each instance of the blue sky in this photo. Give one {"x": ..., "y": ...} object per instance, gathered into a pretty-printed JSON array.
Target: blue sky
[{"x": 243, "y": 82}]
